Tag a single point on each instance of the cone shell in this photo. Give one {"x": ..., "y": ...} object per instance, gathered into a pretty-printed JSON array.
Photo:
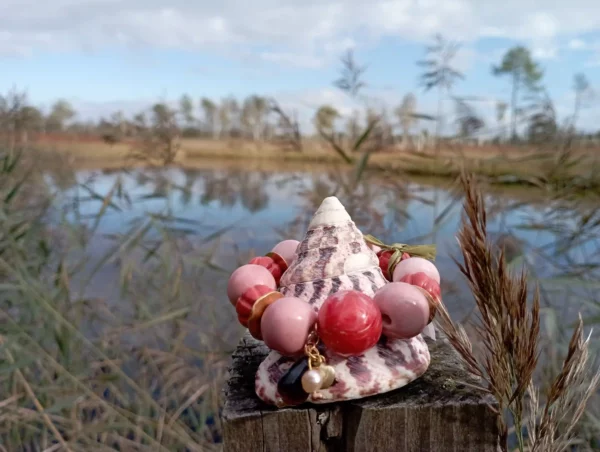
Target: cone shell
[{"x": 334, "y": 256}]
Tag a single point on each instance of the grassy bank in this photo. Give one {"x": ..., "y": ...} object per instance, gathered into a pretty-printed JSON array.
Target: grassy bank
[{"x": 500, "y": 165}]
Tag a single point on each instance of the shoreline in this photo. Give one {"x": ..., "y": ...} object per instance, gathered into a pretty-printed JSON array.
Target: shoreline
[{"x": 531, "y": 170}]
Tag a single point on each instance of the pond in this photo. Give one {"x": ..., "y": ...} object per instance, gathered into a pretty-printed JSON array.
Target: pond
[{"x": 237, "y": 212}]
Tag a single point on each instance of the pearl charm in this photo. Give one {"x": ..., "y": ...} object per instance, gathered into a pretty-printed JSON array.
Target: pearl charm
[
  {"x": 312, "y": 381},
  {"x": 327, "y": 376}
]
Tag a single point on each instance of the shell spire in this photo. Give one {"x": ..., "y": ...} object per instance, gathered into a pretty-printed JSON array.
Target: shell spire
[
  {"x": 330, "y": 212},
  {"x": 333, "y": 250}
]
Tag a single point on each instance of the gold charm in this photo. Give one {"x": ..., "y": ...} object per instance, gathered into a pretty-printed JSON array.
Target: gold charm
[
  {"x": 318, "y": 369},
  {"x": 327, "y": 376}
]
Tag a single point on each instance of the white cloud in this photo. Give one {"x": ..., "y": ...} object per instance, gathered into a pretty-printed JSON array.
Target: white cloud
[
  {"x": 577, "y": 44},
  {"x": 299, "y": 32}
]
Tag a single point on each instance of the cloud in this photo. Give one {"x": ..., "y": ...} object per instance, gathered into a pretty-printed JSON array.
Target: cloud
[
  {"x": 299, "y": 32},
  {"x": 577, "y": 44}
]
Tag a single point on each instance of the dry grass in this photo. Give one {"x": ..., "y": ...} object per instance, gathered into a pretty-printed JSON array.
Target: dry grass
[
  {"x": 507, "y": 333},
  {"x": 80, "y": 374},
  {"x": 524, "y": 166}
]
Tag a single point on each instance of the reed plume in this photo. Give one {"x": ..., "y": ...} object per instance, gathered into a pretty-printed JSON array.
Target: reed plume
[{"x": 508, "y": 331}]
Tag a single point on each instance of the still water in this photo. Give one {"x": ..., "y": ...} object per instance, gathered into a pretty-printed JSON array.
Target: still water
[{"x": 226, "y": 215}]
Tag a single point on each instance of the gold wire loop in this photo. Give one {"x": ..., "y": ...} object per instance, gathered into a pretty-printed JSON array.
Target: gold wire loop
[{"x": 315, "y": 359}]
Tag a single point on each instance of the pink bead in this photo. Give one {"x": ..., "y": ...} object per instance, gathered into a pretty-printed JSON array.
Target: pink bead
[
  {"x": 287, "y": 250},
  {"x": 404, "y": 310},
  {"x": 285, "y": 325},
  {"x": 247, "y": 276},
  {"x": 415, "y": 265},
  {"x": 375, "y": 248}
]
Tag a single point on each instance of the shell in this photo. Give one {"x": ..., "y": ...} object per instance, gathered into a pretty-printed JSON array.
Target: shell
[{"x": 334, "y": 256}]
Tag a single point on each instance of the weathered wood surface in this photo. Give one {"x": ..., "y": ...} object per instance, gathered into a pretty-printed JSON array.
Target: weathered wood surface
[{"x": 435, "y": 413}]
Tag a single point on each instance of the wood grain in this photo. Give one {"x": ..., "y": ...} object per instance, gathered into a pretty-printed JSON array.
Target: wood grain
[{"x": 436, "y": 413}]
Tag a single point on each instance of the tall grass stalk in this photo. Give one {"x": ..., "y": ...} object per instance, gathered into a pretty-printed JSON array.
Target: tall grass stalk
[
  {"x": 507, "y": 331},
  {"x": 86, "y": 374}
]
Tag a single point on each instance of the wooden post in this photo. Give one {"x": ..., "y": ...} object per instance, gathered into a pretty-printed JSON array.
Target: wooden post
[{"x": 435, "y": 413}]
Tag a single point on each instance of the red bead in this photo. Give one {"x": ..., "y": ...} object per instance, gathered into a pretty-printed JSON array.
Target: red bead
[
  {"x": 246, "y": 302},
  {"x": 384, "y": 263},
  {"x": 349, "y": 323},
  {"x": 268, "y": 263}
]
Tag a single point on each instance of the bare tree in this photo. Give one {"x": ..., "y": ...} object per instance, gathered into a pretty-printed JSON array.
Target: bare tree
[
  {"x": 440, "y": 74},
  {"x": 501, "y": 108},
  {"x": 406, "y": 116},
  {"x": 288, "y": 127},
  {"x": 61, "y": 112},
  {"x": 583, "y": 95},
  {"x": 469, "y": 122},
  {"x": 186, "y": 108},
  {"x": 211, "y": 115},
  {"x": 351, "y": 79},
  {"x": 161, "y": 139},
  {"x": 254, "y": 116},
  {"x": 542, "y": 124},
  {"x": 18, "y": 118}
]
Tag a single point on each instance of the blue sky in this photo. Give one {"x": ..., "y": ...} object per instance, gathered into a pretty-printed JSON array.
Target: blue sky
[{"x": 104, "y": 55}]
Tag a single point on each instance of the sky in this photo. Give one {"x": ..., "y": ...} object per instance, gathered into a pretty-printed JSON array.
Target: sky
[{"x": 107, "y": 55}]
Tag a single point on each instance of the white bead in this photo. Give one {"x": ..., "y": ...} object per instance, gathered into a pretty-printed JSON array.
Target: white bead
[{"x": 311, "y": 381}]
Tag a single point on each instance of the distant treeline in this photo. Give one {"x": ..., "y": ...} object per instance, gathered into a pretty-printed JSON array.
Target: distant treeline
[{"x": 529, "y": 117}]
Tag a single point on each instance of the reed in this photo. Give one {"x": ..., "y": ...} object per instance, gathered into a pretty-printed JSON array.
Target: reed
[{"x": 507, "y": 331}]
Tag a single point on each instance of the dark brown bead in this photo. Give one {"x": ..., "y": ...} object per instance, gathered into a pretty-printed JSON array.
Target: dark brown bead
[{"x": 289, "y": 386}]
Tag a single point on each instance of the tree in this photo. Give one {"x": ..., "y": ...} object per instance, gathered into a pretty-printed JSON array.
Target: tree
[
  {"x": 325, "y": 118},
  {"x": 61, "y": 112},
  {"x": 500, "y": 118},
  {"x": 583, "y": 93},
  {"x": 542, "y": 127},
  {"x": 160, "y": 140},
  {"x": 186, "y": 108},
  {"x": 350, "y": 80},
  {"x": 18, "y": 118},
  {"x": 254, "y": 115},
  {"x": 468, "y": 120},
  {"x": 406, "y": 116},
  {"x": 210, "y": 116},
  {"x": 525, "y": 75},
  {"x": 287, "y": 127},
  {"x": 228, "y": 114},
  {"x": 439, "y": 73}
]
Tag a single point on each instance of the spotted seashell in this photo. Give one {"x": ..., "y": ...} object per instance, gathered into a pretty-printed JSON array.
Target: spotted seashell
[{"x": 334, "y": 256}]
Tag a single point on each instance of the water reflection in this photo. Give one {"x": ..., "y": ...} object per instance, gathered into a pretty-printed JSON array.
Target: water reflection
[{"x": 262, "y": 207}]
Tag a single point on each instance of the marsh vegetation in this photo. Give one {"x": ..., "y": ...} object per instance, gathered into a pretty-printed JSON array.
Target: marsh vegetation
[{"x": 114, "y": 331}]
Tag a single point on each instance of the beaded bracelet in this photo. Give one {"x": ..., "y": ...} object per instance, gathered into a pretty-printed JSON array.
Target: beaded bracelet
[{"x": 343, "y": 314}]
